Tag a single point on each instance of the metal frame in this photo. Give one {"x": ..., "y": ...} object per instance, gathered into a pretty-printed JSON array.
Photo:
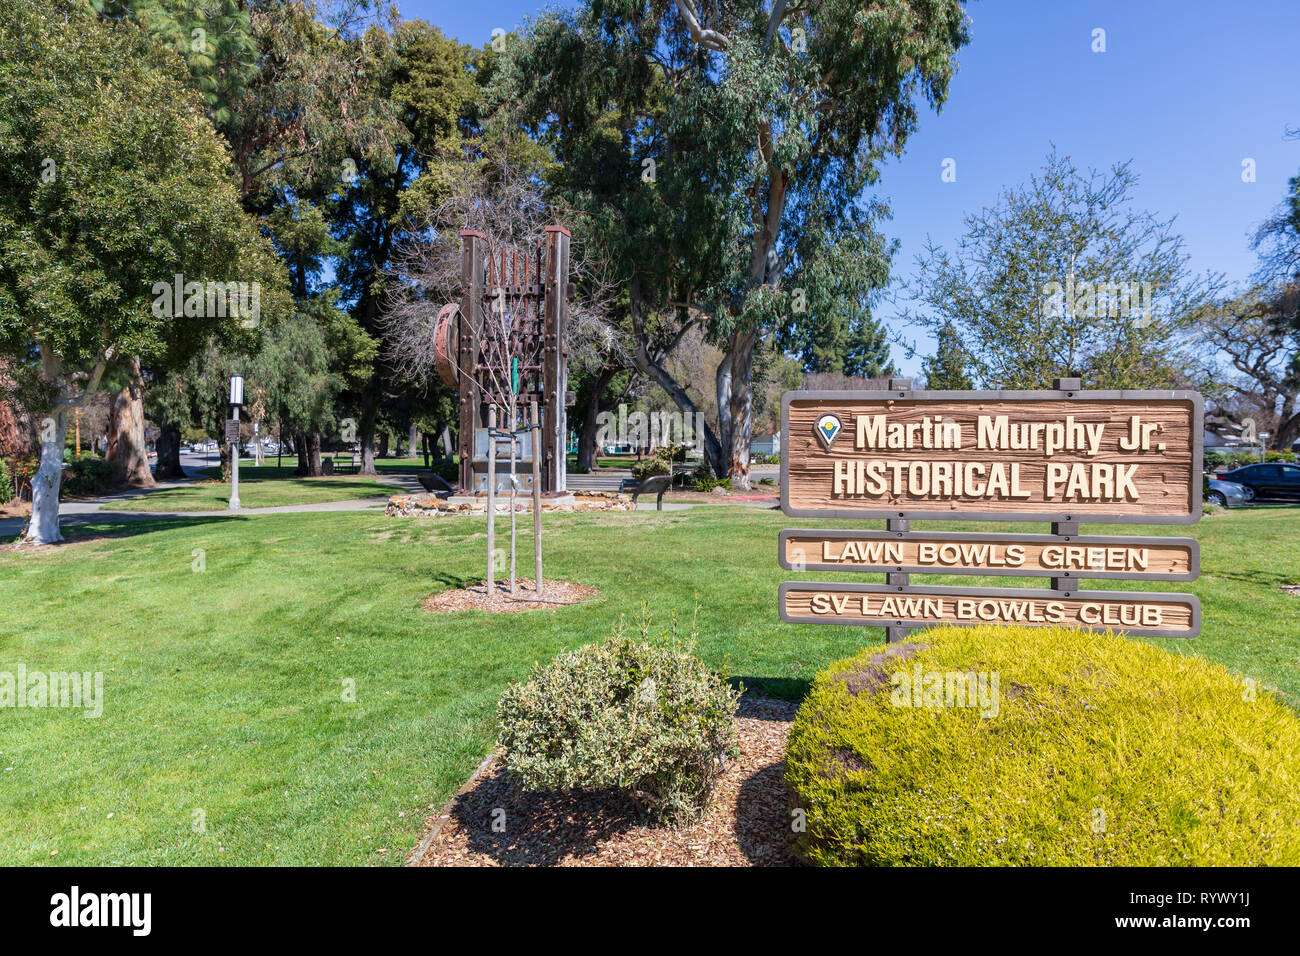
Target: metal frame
[
  {"x": 1193, "y": 559},
  {"x": 549, "y": 263},
  {"x": 945, "y": 591},
  {"x": 908, "y": 394}
]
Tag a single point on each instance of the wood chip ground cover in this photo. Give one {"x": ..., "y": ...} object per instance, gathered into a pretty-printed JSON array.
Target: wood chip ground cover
[
  {"x": 493, "y": 823},
  {"x": 556, "y": 594}
]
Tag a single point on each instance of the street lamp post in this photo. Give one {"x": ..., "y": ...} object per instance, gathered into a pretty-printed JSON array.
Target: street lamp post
[{"x": 236, "y": 400}]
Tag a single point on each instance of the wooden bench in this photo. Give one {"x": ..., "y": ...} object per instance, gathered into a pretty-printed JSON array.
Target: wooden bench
[
  {"x": 337, "y": 463},
  {"x": 654, "y": 485},
  {"x": 433, "y": 483}
]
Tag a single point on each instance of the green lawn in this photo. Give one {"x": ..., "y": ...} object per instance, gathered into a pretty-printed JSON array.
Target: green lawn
[
  {"x": 265, "y": 487},
  {"x": 224, "y": 686}
]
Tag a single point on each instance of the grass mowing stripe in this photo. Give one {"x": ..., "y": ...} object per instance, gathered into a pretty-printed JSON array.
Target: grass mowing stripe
[{"x": 224, "y": 688}]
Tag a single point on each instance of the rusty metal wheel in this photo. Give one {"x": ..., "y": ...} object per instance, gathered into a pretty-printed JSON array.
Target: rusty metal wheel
[{"x": 446, "y": 341}]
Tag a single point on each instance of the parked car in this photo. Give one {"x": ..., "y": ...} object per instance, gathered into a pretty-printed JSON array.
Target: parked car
[
  {"x": 1267, "y": 479},
  {"x": 1227, "y": 494}
]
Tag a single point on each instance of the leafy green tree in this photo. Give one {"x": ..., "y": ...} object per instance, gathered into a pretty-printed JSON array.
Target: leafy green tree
[
  {"x": 284, "y": 81},
  {"x": 948, "y": 367},
  {"x": 1063, "y": 277},
  {"x": 867, "y": 349},
  {"x": 296, "y": 370},
  {"x": 424, "y": 77},
  {"x": 718, "y": 157},
  {"x": 214, "y": 38},
  {"x": 112, "y": 181},
  {"x": 293, "y": 371},
  {"x": 1278, "y": 239},
  {"x": 831, "y": 327},
  {"x": 1249, "y": 346}
]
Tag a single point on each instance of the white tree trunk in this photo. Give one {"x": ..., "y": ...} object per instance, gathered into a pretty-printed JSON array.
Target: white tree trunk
[
  {"x": 44, "y": 525},
  {"x": 43, "y": 528}
]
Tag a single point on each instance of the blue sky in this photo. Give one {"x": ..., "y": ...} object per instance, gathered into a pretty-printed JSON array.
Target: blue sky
[{"x": 1187, "y": 90}]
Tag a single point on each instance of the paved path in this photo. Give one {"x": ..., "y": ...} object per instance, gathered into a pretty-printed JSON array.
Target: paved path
[
  {"x": 608, "y": 479},
  {"x": 98, "y": 510},
  {"x": 73, "y": 514}
]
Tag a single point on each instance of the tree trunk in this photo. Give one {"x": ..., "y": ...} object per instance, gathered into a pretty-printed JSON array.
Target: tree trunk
[
  {"x": 367, "y": 436},
  {"x": 313, "y": 453},
  {"x": 741, "y": 408},
  {"x": 425, "y": 449},
  {"x": 1287, "y": 433},
  {"x": 383, "y": 445},
  {"x": 16, "y": 433},
  {"x": 43, "y": 528},
  {"x": 126, "y": 444},
  {"x": 413, "y": 440},
  {"x": 300, "y": 446},
  {"x": 169, "y": 453},
  {"x": 649, "y": 366},
  {"x": 722, "y": 386},
  {"x": 588, "y": 453}
]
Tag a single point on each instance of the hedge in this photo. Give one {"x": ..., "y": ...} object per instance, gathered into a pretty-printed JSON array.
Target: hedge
[{"x": 1096, "y": 749}]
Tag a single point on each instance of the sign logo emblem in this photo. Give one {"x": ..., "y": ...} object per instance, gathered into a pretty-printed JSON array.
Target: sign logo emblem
[{"x": 828, "y": 429}]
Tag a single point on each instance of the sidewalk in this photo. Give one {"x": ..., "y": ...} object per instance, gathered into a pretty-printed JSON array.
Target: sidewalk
[
  {"x": 74, "y": 514},
  {"x": 95, "y": 510}
]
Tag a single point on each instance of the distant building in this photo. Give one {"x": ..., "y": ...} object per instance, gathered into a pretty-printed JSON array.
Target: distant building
[
  {"x": 766, "y": 444},
  {"x": 1213, "y": 441}
]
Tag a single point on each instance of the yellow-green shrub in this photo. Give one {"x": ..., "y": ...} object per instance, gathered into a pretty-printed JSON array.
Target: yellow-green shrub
[{"x": 1103, "y": 750}]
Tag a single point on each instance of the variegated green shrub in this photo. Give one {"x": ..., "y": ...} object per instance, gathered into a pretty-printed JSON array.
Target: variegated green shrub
[{"x": 645, "y": 716}]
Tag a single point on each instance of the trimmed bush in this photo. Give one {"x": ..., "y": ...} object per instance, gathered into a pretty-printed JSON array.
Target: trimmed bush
[
  {"x": 7, "y": 492},
  {"x": 708, "y": 482},
  {"x": 1225, "y": 461},
  {"x": 448, "y": 469},
  {"x": 1096, "y": 749},
  {"x": 646, "y": 717},
  {"x": 648, "y": 467},
  {"x": 88, "y": 477}
]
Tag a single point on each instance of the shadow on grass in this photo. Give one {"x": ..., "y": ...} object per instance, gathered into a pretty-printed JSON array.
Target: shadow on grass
[
  {"x": 81, "y": 531},
  {"x": 783, "y": 688},
  {"x": 324, "y": 482},
  {"x": 455, "y": 582},
  {"x": 1261, "y": 578}
]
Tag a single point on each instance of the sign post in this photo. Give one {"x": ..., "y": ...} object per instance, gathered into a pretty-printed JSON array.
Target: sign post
[
  {"x": 232, "y": 436},
  {"x": 1058, "y": 456},
  {"x": 491, "y": 502}
]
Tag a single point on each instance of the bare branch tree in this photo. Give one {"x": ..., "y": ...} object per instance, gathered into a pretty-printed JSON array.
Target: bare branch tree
[
  {"x": 1250, "y": 357},
  {"x": 495, "y": 197}
]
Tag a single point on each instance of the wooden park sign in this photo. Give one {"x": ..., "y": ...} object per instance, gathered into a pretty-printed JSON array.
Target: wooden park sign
[
  {"x": 1060, "y": 456},
  {"x": 1023, "y": 555},
  {"x": 1156, "y": 615},
  {"x": 1028, "y": 456}
]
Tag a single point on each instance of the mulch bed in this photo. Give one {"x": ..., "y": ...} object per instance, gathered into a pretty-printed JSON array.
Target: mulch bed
[
  {"x": 747, "y": 824},
  {"x": 476, "y": 597}
]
